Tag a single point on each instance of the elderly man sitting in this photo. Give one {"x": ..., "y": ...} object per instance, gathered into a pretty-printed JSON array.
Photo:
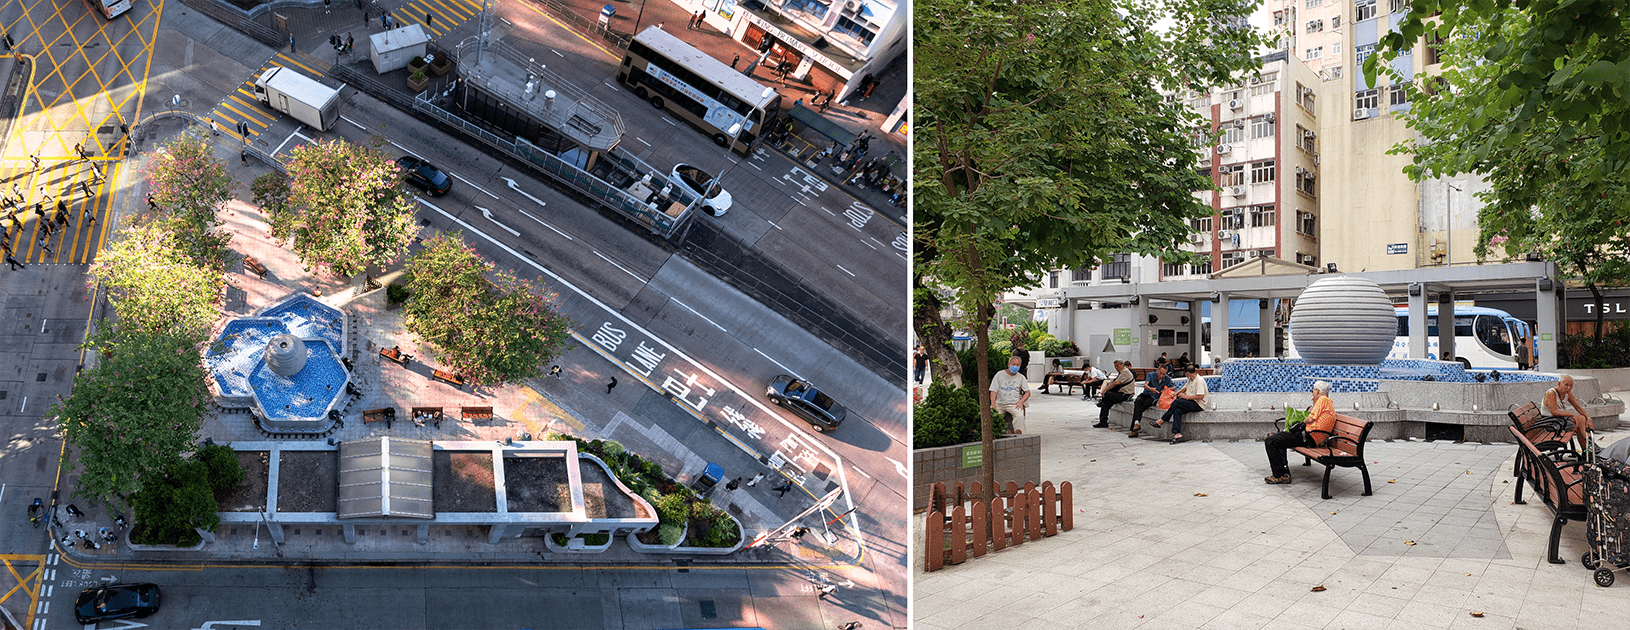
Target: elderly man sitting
[{"x": 1321, "y": 420}]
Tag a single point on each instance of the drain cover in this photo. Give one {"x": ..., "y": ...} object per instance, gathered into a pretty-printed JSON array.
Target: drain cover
[{"x": 709, "y": 610}]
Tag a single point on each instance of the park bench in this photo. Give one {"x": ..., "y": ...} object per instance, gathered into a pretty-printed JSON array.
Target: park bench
[
  {"x": 1549, "y": 434},
  {"x": 433, "y": 415},
  {"x": 1069, "y": 379},
  {"x": 385, "y": 415},
  {"x": 1344, "y": 447},
  {"x": 252, "y": 265},
  {"x": 395, "y": 354},
  {"x": 1560, "y": 483},
  {"x": 448, "y": 377},
  {"x": 477, "y": 413}
]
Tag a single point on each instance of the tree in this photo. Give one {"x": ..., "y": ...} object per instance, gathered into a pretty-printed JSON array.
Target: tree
[
  {"x": 136, "y": 412},
  {"x": 155, "y": 283},
  {"x": 1043, "y": 140},
  {"x": 190, "y": 185},
  {"x": 1538, "y": 105},
  {"x": 489, "y": 326},
  {"x": 346, "y": 208}
]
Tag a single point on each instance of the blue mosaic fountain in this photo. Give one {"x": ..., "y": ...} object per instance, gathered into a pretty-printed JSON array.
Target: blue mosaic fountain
[{"x": 293, "y": 392}]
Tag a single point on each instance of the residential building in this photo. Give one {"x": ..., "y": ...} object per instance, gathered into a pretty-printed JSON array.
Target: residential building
[{"x": 835, "y": 45}]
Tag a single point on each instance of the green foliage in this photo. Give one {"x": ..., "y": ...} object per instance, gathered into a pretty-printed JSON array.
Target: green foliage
[
  {"x": 712, "y": 527},
  {"x": 489, "y": 326},
  {"x": 224, "y": 472},
  {"x": 271, "y": 193},
  {"x": 155, "y": 284},
  {"x": 1587, "y": 353},
  {"x": 397, "y": 293},
  {"x": 190, "y": 185},
  {"x": 948, "y": 416},
  {"x": 595, "y": 540},
  {"x": 997, "y": 356},
  {"x": 613, "y": 449},
  {"x": 671, "y": 533},
  {"x": 135, "y": 412},
  {"x": 346, "y": 208},
  {"x": 673, "y": 508},
  {"x": 170, "y": 504}
]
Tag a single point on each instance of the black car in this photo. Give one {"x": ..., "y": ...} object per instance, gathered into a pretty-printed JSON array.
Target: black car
[
  {"x": 424, "y": 176},
  {"x": 811, "y": 404},
  {"x": 116, "y": 601}
]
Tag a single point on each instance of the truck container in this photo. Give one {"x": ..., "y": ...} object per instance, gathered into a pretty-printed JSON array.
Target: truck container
[{"x": 302, "y": 98}]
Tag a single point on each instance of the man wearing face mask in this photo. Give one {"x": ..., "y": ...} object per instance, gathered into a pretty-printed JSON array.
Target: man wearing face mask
[{"x": 1008, "y": 393}]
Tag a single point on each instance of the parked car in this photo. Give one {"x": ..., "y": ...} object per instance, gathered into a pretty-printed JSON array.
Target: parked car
[
  {"x": 423, "y": 176},
  {"x": 701, "y": 184},
  {"x": 814, "y": 406},
  {"x": 116, "y": 601}
]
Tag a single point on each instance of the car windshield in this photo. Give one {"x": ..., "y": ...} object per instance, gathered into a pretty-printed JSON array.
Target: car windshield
[
  {"x": 696, "y": 178},
  {"x": 796, "y": 386}
]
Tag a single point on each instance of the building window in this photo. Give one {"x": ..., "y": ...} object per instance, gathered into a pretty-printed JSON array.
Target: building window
[
  {"x": 1304, "y": 183},
  {"x": 1335, "y": 49},
  {"x": 1278, "y": 18},
  {"x": 1262, "y": 89},
  {"x": 1080, "y": 274},
  {"x": 1202, "y": 264},
  {"x": 1366, "y": 9},
  {"x": 1263, "y": 253},
  {"x": 1307, "y": 259},
  {"x": 1367, "y": 99},
  {"x": 1262, "y": 216},
  {"x": 1434, "y": 49},
  {"x": 1400, "y": 6},
  {"x": 1231, "y": 134},
  {"x": 1119, "y": 266},
  {"x": 1306, "y": 97},
  {"x": 1314, "y": 26},
  {"x": 1363, "y": 52},
  {"x": 1261, "y": 127},
  {"x": 1230, "y": 259},
  {"x": 1314, "y": 3},
  {"x": 1232, "y": 175},
  {"x": 1232, "y": 219},
  {"x": 1202, "y": 226},
  {"x": 1262, "y": 172},
  {"x": 1305, "y": 140},
  {"x": 1335, "y": 21},
  {"x": 1052, "y": 279},
  {"x": 1316, "y": 52},
  {"x": 1172, "y": 269},
  {"x": 1399, "y": 95},
  {"x": 1309, "y": 224}
]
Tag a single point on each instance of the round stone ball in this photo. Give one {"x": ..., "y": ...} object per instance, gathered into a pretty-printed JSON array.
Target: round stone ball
[
  {"x": 286, "y": 355},
  {"x": 1343, "y": 320}
]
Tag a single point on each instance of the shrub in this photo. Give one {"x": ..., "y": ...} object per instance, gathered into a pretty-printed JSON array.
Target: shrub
[
  {"x": 949, "y": 416},
  {"x": 1583, "y": 351},
  {"x": 671, "y": 533},
  {"x": 673, "y": 508},
  {"x": 222, "y": 468},
  {"x": 397, "y": 293},
  {"x": 595, "y": 539},
  {"x": 169, "y": 505},
  {"x": 613, "y": 449},
  {"x": 998, "y": 361}
]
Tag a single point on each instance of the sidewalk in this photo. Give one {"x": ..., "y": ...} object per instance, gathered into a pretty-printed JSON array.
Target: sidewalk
[{"x": 1188, "y": 536}]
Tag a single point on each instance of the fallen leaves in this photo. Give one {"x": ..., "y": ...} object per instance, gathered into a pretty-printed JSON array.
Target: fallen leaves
[
  {"x": 1410, "y": 543},
  {"x": 1392, "y": 481},
  {"x": 1319, "y": 589},
  {"x": 1199, "y": 494},
  {"x": 1477, "y": 615}
]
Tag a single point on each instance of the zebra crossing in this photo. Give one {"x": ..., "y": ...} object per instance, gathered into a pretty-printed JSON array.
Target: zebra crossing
[
  {"x": 57, "y": 213},
  {"x": 438, "y": 17},
  {"x": 241, "y": 106}
]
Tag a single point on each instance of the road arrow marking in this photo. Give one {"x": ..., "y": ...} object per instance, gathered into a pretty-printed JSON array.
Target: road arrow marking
[
  {"x": 488, "y": 213},
  {"x": 210, "y": 625},
  {"x": 517, "y": 188},
  {"x": 123, "y": 625}
]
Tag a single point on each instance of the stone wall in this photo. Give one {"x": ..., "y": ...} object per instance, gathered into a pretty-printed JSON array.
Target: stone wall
[{"x": 1018, "y": 459}]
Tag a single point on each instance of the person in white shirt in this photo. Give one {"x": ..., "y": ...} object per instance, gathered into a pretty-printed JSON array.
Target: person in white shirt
[
  {"x": 1189, "y": 400},
  {"x": 1009, "y": 391},
  {"x": 1089, "y": 385}
]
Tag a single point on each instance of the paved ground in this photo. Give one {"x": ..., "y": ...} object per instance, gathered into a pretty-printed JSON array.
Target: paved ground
[{"x": 1188, "y": 536}]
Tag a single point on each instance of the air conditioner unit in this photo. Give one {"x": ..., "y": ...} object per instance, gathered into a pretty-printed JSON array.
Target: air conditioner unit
[
  {"x": 1239, "y": 123},
  {"x": 1224, "y": 234},
  {"x": 1268, "y": 117},
  {"x": 1235, "y": 104},
  {"x": 1315, "y": 159},
  {"x": 1197, "y": 238},
  {"x": 1300, "y": 170},
  {"x": 1236, "y": 191},
  {"x": 1308, "y": 133},
  {"x": 1223, "y": 149},
  {"x": 1361, "y": 114},
  {"x": 1256, "y": 80}
]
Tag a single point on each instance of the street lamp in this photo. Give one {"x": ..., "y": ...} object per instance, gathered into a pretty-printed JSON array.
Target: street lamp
[{"x": 1448, "y": 211}]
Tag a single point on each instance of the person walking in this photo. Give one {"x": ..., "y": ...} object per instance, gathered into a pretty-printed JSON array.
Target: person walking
[
  {"x": 90, "y": 216},
  {"x": 1522, "y": 354},
  {"x": 734, "y": 483},
  {"x": 151, "y": 205},
  {"x": 12, "y": 260},
  {"x": 828, "y": 589},
  {"x": 214, "y": 129},
  {"x": 754, "y": 481},
  {"x": 919, "y": 363},
  {"x": 783, "y": 489},
  {"x": 612, "y": 385},
  {"x": 735, "y": 60},
  {"x": 46, "y": 245},
  {"x": 555, "y": 372}
]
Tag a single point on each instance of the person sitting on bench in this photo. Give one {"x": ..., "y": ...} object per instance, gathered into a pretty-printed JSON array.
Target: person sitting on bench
[
  {"x": 1321, "y": 420},
  {"x": 1580, "y": 421},
  {"x": 1090, "y": 383},
  {"x": 1156, "y": 382},
  {"x": 1115, "y": 393}
]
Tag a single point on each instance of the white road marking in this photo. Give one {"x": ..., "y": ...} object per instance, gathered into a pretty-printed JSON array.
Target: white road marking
[
  {"x": 472, "y": 184},
  {"x": 557, "y": 53},
  {"x": 755, "y": 166},
  {"x": 788, "y": 369},
  {"x": 358, "y": 125},
  {"x": 540, "y": 222},
  {"x": 49, "y": 589},
  {"x": 642, "y": 141},
  {"x": 210, "y": 625},
  {"x": 858, "y": 470},
  {"x": 517, "y": 188},
  {"x": 488, "y": 213},
  {"x": 625, "y": 270},
  {"x": 292, "y": 136},
  {"x": 851, "y": 273},
  {"x": 902, "y": 256},
  {"x": 868, "y": 244},
  {"x": 829, "y": 211},
  {"x": 773, "y": 223},
  {"x": 715, "y": 324}
]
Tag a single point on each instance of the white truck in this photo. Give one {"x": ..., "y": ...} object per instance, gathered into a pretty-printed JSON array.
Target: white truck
[{"x": 299, "y": 96}]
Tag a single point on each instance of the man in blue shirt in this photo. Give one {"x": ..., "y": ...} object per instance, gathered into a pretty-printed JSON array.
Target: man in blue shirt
[{"x": 1156, "y": 382}]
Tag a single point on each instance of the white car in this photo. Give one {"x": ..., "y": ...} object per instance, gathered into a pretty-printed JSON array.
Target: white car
[{"x": 698, "y": 182}]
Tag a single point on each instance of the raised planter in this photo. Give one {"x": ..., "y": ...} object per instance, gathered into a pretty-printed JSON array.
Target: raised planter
[
  {"x": 741, "y": 539},
  {"x": 139, "y": 547},
  {"x": 420, "y": 84},
  {"x": 442, "y": 66},
  {"x": 1018, "y": 458},
  {"x": 635, "y": 544},
  {"x": 576, "y": 545}
]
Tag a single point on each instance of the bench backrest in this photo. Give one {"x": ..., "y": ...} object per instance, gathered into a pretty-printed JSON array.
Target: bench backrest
[
  {"x": 1354, "y": 432},
  {"x": 1541, "y": 472},
  {"x": 1523, "y": 417}
]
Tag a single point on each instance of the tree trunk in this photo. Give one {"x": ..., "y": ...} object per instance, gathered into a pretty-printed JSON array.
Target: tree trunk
[
  {"x": 935, "y": 336},
  {"x": 981, "y": 326},
  {"x": 1601, "y": 317}
]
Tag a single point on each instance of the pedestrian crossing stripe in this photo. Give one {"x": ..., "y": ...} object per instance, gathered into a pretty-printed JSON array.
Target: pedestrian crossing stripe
[
  {"x": 449, "y": 14},
  {"x": 242, "y": 105},
  {"x": 72, "y": 237}
]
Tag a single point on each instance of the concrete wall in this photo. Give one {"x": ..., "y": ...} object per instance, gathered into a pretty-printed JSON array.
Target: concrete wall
[
  {"x": 1018, "y": 459},
  {"x": 1614, "y": 380}
]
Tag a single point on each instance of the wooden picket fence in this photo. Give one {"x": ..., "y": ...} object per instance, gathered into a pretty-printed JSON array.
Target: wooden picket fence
[{"x": 959, "y": 522}]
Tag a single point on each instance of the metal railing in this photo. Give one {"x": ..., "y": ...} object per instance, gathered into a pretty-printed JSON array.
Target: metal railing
[{"x": 591, "y": 121}]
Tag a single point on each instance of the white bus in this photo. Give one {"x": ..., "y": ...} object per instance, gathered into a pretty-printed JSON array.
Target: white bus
[
  {"x": 109, "y": 8},
  {"x": 699, "y": 89},
  {"x": 1484, "y": 337}
]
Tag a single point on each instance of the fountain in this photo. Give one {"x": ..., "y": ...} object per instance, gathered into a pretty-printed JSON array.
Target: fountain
[{"x": 284, "y": 364}]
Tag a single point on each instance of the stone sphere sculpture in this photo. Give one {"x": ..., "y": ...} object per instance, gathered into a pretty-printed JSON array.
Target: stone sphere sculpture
[
  {"x": 1343, "y": 320},
  {"x": 286, "y": 354}
]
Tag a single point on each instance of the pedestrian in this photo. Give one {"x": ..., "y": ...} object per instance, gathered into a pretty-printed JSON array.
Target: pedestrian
[
  {"x": 73, "y": 510},
  {"x": 754, "y": 481},
  {"x": 7, "y": 42},
  {"x": 291, "y": 44},
  {"x": 429, "y": 20},
  {"x": 12, "y": 260},
  {"x": 783, "y": 489},
  {"x": 62, "y": 218},
  {"x": 348, "y": 41},
  {"x": 798, "y": 534},
  {"x": 325, "y": 7},
  {"x": 151, "y": 205},
  {"x": 18, "y": 190},
  {"x": 214, "y": 129},
  {"x": 36, "y": 159},
  {"x": 869, "y": 88},
  {"x": 734, "y": 483},
  {"x": 1522, "y": 354},
  {"x": 80, "y": 534},
  {"x": 853, "y": 625},
  {"x": 828, "y": 589},
  {"x": 661, "y": 25},
  {"x": 555, "y": 372},
  {"x": 67, "y": 541},
  {"x": 1009, "y": 391},
  {"x": 96, "y": 174},
  {"x": 244, "y": 155},
  {"x": 919, "y": 363},
  {"x": 90, "y": 216},
  {"x": 612, "y": 385},
  {"x": 61, "y": 207},
  {"x": 735, "y": 60},
  {"x": 85, "y": 188},
  {"x": 119, "y": 520},
  {"x": 79, "y": 149},
  {"x": 385, "y": 20},
  {"x": 46, "y": 245}
]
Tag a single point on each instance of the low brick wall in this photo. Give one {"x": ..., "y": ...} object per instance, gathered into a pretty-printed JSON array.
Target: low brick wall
[{"x": 1018, "y": 459}]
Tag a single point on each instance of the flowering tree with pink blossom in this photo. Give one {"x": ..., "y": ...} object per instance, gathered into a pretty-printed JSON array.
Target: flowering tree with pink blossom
[
  {"x": 154, "y": 283},
  {"x": 135, "y": 412},
  {"x": 346, "y": 208},
  {"x": 189, "y": 185},
  {"x": 489, "y": 326}
]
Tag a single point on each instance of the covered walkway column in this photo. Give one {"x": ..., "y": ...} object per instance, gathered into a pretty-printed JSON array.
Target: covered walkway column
[
  {"x": 1196, "y": 331},
  {"x": 1546, "y": 334},
  {"x": 1265, "y": 329},
  {"x": 1417, "y": 321},
  {"x": 1219, "y": 329},
  {"x": 1446, "y": 326}
]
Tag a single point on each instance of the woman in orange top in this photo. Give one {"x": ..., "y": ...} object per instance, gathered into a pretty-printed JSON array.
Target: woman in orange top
[{"x": 1321, "y": 420}]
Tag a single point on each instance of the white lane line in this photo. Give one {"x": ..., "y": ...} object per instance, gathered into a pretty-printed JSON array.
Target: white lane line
[
  {"x": 625, "y": 270},
  {"x": 292, "y": 135},
  {"x": 793, "y": 431},
  {"x": 406, "y": 150},
  {"x": 688, "y": 308},
  {"x": 642, "y": 141},
  {"x": 851, "y": 273},
  {"x": 540, "y": 222},
  {"x": 788, "y": 369},
  {"x": 754, "y": 166},
  {"x": 358, "y": 125},
  {"x": 488, "y": 213},
  {"x": 858, "y": 470},
  {"x": 875, "y": 239},
  {"x": 773, "y": 223},
  {"x": 828, "y": 211},
  {"x": 800, "y": 202},
  {"x": 902, "y": 256},
  {"x": 868, "y": 244},
  {"x": 472, "y": 184},
  {"x": 557, "y": 53},
  {"x": 49, "y": 589}
]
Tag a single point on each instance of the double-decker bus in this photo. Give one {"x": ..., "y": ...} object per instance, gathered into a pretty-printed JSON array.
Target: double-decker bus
[
  {"x": 109, "y": 8},
  {"x": 699, "y": 89}
]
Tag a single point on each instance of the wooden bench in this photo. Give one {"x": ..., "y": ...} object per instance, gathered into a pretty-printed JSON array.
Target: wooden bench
[
  {"x": 477, "y": 413},
  {"x": 249, "y": 263},
  {"x": 396, "y": 355},
  {"x": 1066, "y": 379},
  {"x": 432, "y": 415},
  {"x": 1560, "y": 483},
  {"x": 1549, "y": 434},
  {"x": 448, "y": 377},
  {"x": 1344, "y": 447},
  {"x": 386, "y": 415}
]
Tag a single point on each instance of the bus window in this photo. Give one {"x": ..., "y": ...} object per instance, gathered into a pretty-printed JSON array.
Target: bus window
[
  {"x": 1463, "y": 326},
  {"x": 1491, "y": 332},
  {"x": 1403, "y": 326}
]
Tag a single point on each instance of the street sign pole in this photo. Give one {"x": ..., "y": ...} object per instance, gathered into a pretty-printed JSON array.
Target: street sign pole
[{"x": 829, "y": 499}]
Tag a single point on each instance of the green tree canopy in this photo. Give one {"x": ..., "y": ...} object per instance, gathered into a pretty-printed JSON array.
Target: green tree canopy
[
  {"x": 1043, "y": 139},
  {"x": 155, "y": 284},
  {"x": 487, "y": 325},
  {"x": 346, "y": 208},
  {"x": 134, "y": 413},
  {"x": 190, "y": 185},
  {"x": 1536, "y": 104}
]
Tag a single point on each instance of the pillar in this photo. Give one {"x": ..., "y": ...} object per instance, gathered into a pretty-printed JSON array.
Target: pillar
[
  {"x": 350, "y": 533},
  {"x": 1446, "y": 325},
  {"x": 1417, "y": 321},
  {"x": 424, "y": 533},
  {"x": 1195, "y": 314},
  {"x": 1265, "y": 329},
  {"x": 1140, "y": 334},
  {"x": 1547, "y": 331},
  {"x": 1219, "y": 330}
]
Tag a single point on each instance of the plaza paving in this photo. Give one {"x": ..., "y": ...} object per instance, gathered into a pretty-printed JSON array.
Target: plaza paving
[{"x": 1188, "y": 536}]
